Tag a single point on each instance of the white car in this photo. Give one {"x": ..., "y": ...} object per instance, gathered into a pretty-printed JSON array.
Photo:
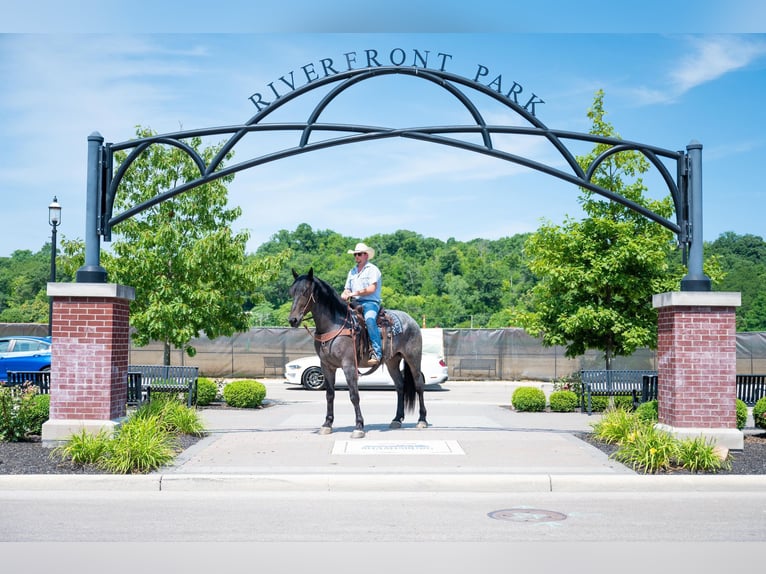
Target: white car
[{"x": 307, "y": 372}]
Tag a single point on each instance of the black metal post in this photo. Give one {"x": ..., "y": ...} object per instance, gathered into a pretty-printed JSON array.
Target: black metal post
[{"x": 54, "y": 218}]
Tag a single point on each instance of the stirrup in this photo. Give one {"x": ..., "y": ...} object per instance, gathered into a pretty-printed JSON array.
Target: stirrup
[{"x": 373, "y": 359}]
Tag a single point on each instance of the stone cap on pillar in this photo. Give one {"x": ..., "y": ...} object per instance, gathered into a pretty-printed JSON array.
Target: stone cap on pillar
[
  {"x": 697, "y": 299},
  {"x": 106, "y": 290}
]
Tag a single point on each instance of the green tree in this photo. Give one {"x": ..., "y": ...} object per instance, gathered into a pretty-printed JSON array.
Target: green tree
[
  {"x": 597, "y": 276},
  {"x": 188, "y": 267}
]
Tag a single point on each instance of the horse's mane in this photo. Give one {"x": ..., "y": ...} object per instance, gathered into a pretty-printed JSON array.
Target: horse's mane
[{"x": 329, "y": 295}]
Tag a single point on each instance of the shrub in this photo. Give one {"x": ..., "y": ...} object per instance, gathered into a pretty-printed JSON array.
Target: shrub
[
  {"x": 624, "y": 402},
  {"x": 20, "y": 412},
  {"x": 172, "y": 414},
  {"x": 647, "y": 411},
  {"x": 759, "y": 413},
  {"x": 647, "y": 449},
  {"x": 598, "y": 404},
  {"x": 741, "y": 414},
  {"x": 141, "y": 445},
  {"x": 615, "y": 426},
  {"x": 563, "y": 401},
  {"x": 145, "y": 442},
  {"x": 699, "y": 455},
  {"x": 85, "y": 448},
  {"x": 207, "y": 391},
  {"x": 39, "y": 412},
  {"x": 530, "y": 399},
  {"x": 245, "y": 394}
]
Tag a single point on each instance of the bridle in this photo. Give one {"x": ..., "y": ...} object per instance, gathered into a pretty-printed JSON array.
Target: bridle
[{"x": 326, "y": 337}]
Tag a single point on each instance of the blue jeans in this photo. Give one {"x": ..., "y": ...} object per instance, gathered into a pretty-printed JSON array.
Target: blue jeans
[{"x": 371, "y": 309}]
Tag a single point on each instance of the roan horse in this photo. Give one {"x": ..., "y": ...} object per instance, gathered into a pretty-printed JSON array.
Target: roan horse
[{"x": 338, "y": 340}]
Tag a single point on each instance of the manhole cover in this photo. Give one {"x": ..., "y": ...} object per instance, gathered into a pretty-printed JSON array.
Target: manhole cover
[{"x": 527, "y": 515}]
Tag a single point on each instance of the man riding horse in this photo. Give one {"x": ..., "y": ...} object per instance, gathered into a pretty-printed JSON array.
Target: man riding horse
[{"x": 364, "y": 283}]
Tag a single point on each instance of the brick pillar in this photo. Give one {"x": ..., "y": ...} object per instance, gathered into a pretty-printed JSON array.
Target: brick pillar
[
  {"x": 89, "y": 361},
  {"x": 697, "y": 365}
]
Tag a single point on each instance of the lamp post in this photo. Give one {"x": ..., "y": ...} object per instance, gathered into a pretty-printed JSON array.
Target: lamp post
[{"x": 54, "y": 218}]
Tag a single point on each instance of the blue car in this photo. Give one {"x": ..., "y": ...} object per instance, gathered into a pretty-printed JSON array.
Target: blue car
[{"x": 24, "y": 354}]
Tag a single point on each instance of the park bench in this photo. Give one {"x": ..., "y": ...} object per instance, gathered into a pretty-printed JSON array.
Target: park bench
[
  {"x": 165, "y": 379},
  {"x": 275, "y": 363},
  {"x": 614, "y": 383},
  {"x": 488, "y": 366},
  {"x": 42, "y": 380},
  {"x": 751, "y": 388}
]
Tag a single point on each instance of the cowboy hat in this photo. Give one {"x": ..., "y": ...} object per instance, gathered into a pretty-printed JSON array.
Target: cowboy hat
[{"x": 361, "y": 247}]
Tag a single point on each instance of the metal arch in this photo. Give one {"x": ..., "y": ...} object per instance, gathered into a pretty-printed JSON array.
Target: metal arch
[
  {"x": 102, "y": 188},
  {"x": 320, "y": 107}
]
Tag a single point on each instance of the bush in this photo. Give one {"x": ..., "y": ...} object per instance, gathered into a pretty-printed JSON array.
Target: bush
[
  {"x": 21, "y": 412},
  {"x": 146, "y": 441},
  {"x": 741, "y": 414},
  {"x": 246, "y": 394},
  {"x": 598, "y": 404},
  {"x": 624, "y": 402},
  {"x": 173, "y": 415},
  {"x": 531, "y": 399},
  {"x": 699, "y": 455},
  {"x": 563, "y": 401},
  {"x": 648, "y": 449},
  {"x": 39, "y": 412},
  {"x": 141, "y": 445},
  {"x": 647, "y": 411},
  {"x": 615, "y": 426},
  {"x": 759, "y": 413},
  {"x": 207, "y": 391}
]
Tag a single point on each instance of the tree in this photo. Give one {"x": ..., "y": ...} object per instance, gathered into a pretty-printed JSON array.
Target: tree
[
  {"x": 597, "y": 276},
  {"x": 188, "y": 267}
]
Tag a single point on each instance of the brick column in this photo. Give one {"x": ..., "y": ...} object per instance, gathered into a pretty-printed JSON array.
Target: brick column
[
  {"x": 697, "y": 365},
  {"x": 89, "y": 361}
]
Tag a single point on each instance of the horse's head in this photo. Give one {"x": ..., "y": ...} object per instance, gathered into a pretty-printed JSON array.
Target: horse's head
[{"x": 302, "y": 293}]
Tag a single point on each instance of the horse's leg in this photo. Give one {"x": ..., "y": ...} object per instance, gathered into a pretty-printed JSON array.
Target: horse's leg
[
  {"x": 393, "y": 370},
  {"x": 329, "y": 379},
  {"x": 420, "y": 387},
  {"x": 419, "y": 382},
  {"x": 352, "y": 378}
]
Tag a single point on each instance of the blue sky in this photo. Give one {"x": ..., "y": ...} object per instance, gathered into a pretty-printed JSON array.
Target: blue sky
[{"x": 67, "y": 73}]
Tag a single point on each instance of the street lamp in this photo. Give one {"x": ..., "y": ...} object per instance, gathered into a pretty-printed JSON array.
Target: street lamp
[{"x": 54, "y": 218}]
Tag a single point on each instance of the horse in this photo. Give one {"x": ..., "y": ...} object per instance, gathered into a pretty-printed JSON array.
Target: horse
[{"x": 340, "y": 339}]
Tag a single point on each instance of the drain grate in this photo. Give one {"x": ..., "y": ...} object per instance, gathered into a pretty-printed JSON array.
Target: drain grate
[{"x": 527, "y": 515}]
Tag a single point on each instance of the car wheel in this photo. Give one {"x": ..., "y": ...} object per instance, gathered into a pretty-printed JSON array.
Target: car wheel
[{"x": 313, "y": 379}]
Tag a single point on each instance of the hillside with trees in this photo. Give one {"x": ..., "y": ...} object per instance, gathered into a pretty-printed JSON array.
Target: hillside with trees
[{"x": 479, "y": 283}]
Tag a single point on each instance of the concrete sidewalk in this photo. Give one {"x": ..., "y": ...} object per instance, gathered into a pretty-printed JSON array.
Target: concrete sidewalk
[{"x": 475, "y": 442}]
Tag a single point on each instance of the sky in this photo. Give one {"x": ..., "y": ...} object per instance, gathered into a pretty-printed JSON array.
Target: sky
[{"x": 671, "y": 73}]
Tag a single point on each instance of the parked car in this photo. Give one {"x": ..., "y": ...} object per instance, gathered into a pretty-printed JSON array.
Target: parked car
[
  {"x": 24, "y": 354},
  {"x": 307, "y": 372}
]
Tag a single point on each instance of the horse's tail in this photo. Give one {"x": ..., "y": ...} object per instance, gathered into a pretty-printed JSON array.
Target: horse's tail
[{"x": 410, "y": 393}]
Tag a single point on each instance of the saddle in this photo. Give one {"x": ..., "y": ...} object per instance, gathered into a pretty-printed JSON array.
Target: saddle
[{"x": 359, "y": 329}]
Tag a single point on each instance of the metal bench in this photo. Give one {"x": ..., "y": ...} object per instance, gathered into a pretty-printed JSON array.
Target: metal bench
[
  {"x": 750, "y": 388},
  {"x": 276, "y": 363},
  {"x": 612, "y": 383},
  {"x": 166, "y": 379},
  {"x": 473, "y": 364},
  {"x": 41, "y": 379}
]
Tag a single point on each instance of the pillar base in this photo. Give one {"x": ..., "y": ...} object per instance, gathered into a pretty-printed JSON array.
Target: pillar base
[
  {"x": 58, "y": 431},
  {"x": 733, "y": 439}
]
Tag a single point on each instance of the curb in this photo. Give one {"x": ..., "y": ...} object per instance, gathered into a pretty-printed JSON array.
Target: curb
[{"x": 385, "y": 482}]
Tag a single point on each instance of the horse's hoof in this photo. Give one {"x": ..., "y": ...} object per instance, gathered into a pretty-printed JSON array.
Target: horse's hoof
[
  {"x": 357, "y": 434},
  {"x": 422, "y": 425},
  {"x": 325, "y": 430},
  {"x": 395, "y": 424}
]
